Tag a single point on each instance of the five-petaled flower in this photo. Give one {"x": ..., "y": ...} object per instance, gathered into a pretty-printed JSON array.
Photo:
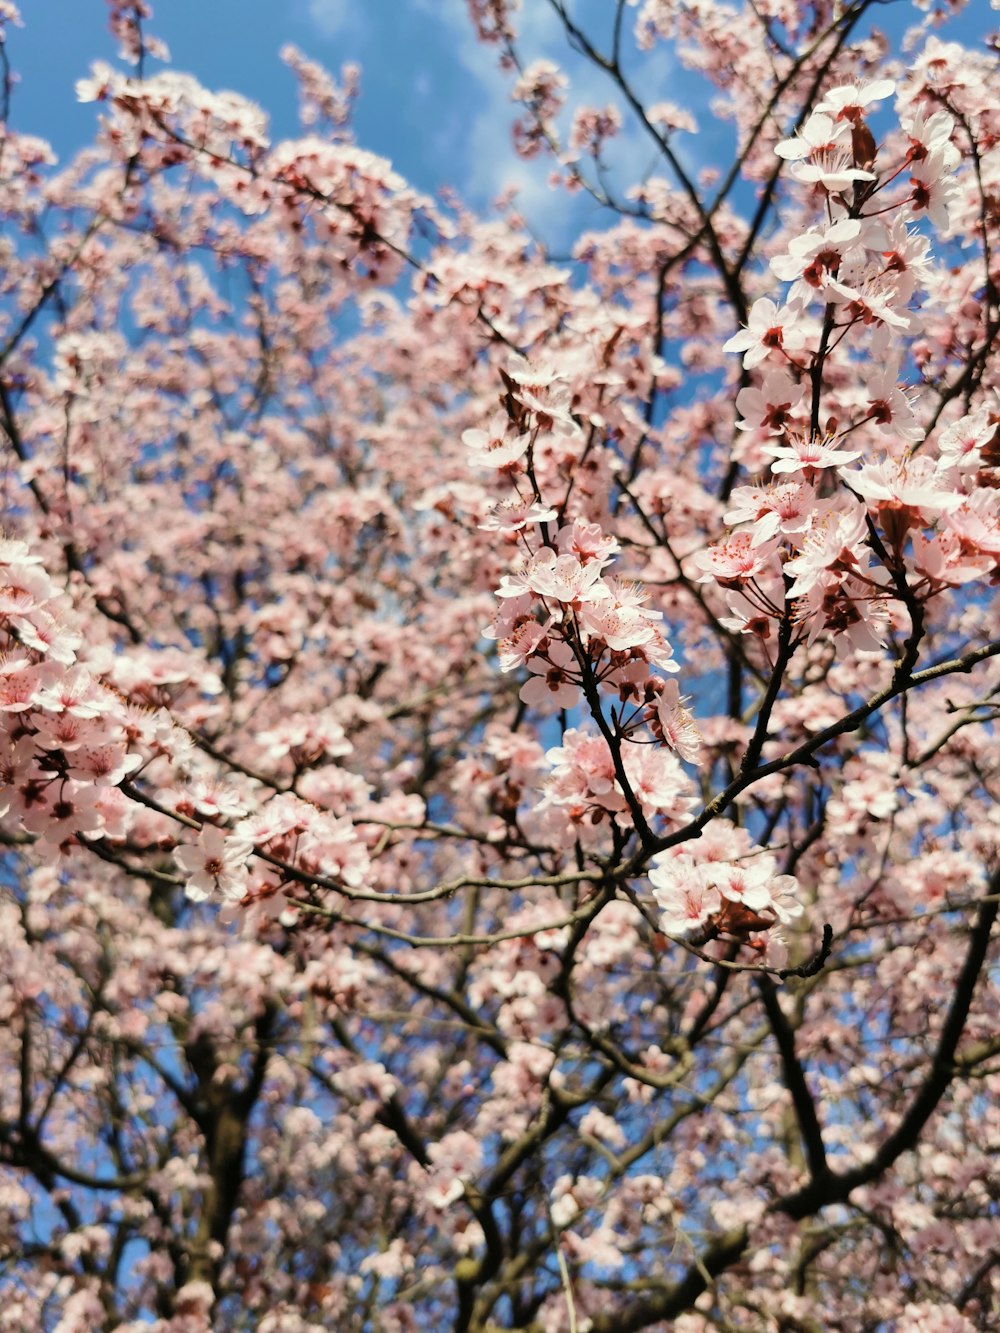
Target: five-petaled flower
[{"x": 215, "y": 865}]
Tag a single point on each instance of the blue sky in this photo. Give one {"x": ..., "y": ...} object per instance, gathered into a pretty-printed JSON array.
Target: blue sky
[{"x": 432, "y": 99}]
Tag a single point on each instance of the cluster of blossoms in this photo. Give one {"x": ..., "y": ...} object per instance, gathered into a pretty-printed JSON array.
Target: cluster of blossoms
[
  {"x": 835, "y": 541},
  {"x": 584, "y": 786},
  {"x": 66, "y": 738},
  {"x": 70, "y": 737},
  {"x": 588, "y": 623},
  {"x": 73, "y": 745},
  {"x": 169, "y": 119},
  {"x": 580, "y": 632},
  {"x": 542, "y": 87},
  {"x": 730, "y": 890}
]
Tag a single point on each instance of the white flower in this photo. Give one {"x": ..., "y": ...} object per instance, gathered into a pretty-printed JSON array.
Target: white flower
[
  {"x": 771, "y": 405},
  {"x": 822, "y": 154},
  {"x": 849, "y": 100}
]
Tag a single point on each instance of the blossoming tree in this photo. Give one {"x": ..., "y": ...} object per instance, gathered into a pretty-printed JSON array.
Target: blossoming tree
[{"x": 499, "y": 785}]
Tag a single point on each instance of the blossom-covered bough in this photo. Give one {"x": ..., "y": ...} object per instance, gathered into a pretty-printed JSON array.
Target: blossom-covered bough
[{"x": 499, "y": 780}]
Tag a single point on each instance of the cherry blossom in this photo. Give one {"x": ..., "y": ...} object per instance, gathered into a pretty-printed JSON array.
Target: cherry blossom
[
  {"x": 903, "y": 493},
  {"x": 815, "y": 254},
  {"x": 675, "y": 724},
  {"x": 808, "y": 455},
  {"x": 769, "y": 329},
  {"x": 553, "y": 682},
  {"x": 499, "y": 446},
  {"x": 735, "y": 561},
  {"x": 617, "y": 613},
  {"x": 851, "y": 101},
  {"x": 823, "y": 154},
  {"x": 215, "y": 864},
  {"x": 769, "y": 406}
]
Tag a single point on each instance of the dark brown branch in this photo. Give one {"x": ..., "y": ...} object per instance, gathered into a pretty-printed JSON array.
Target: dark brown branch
[{"x": 810, "y": 1129}]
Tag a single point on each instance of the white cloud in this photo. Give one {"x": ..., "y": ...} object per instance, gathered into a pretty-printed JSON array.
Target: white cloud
[
  {"x": 485, "y": 154},
  {"x": 334, "y": 17},
  {"x": 490, "y": 163}
]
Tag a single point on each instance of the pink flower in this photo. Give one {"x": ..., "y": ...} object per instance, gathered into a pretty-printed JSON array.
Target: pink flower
[
  {"x": 770, "y": 406},
  {"x": 512, "y": 515},
  {"x": 976, "y": 526},
  {"x": 848, "y": 101},
  {"x": 961, "y": 445},
  {"x": 870, "y": 293},
  {"x": 754, "y": 883},
  {"x": 583, "y": 773},
  {"x": 106, "y": 765},
  {"x": 500, "y": 446},
  {"x": 930, "y": 132},
  {"x": 850, "y": 612},
  {"x": 784, "y": 507},
  {"x": 674, "y": 724},
  {"x": 588, "y": 542},
  {"x": 889, "y": 407},
  {"x": 735, "y": 560},
  {"x": 904, "y": 251},
  {"x": 943, "y": 560},
  {"x": 514, "y": 608},
  {"x": 100, "y": 84},
  {"x": 835, "y": 545},
  {"x": 732, "y": 896},
  {"x": 672, "y": 117},
  {"x": 524, "y": 640},
  {"x": 58, "y": 809},
  {"x": 542, "y": 85},
  {"x": 592, "y": 126},
  {"x": 808, "y": 454},
  {"x": 561, "y": 577},
  {"x": 904, "y": 494},
  {"x": 216, "y": 864},
  {"x": 756, "y": 616},
  {"x": 615, "y": 612},
  {"x": 770, "y": 328},
  {"x": 541, "y": 394},
  {"x": 933, "y": 189},
  {"x": 658, "y": 780},
  {"x": 17, "y": 765},
  {"x": 555, "y": 679},
  {"x": 816, "y": 253},
  {"x": 454, "y": 1160},
  {"x": 686, "y": 900}
]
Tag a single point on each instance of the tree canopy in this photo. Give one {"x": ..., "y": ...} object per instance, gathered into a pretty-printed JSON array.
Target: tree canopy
[{"x": 499, "y": 782}]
